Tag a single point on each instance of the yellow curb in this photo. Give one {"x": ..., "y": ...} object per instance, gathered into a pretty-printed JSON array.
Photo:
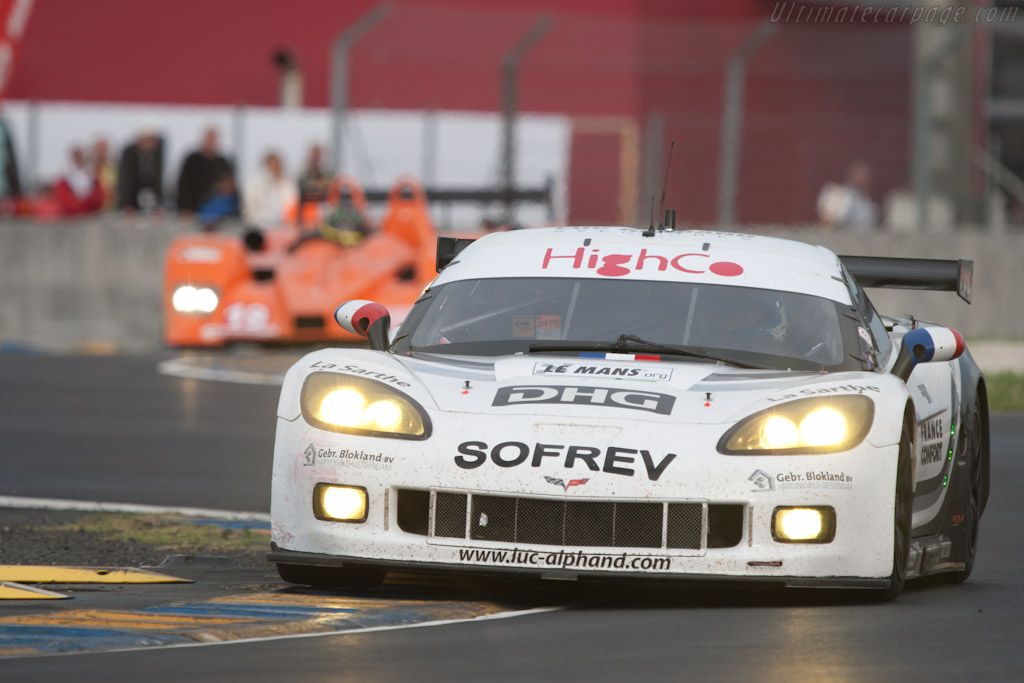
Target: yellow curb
[
  {"x": 25, "y": 573},
  {"x": 15, "y": 591}
]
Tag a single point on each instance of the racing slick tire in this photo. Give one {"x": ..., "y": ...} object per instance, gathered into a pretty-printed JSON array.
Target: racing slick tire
[
  {"x": 903, "y": 510},
  {"x": 332, "y": 577},
  {"x": 971, "y": 458}
]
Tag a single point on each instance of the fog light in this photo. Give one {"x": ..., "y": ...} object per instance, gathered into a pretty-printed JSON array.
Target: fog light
[
  {"x": 804, "y": 524},
  {"x": 339, "y": 503}
]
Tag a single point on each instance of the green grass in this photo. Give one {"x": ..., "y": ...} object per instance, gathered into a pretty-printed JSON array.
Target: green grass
[
  {"x": 166, "y": 532},
  {"x": 1005, "y": 391}
]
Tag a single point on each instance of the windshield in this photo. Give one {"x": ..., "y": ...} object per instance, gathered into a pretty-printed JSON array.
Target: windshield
[{"x": 740, "y": 324}]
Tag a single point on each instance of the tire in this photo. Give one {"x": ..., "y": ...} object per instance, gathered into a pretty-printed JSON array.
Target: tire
[
  {"x": 903, "y": 511},
  {"x": 332, "y": 577},
  {"x": 973, "y": 461}
]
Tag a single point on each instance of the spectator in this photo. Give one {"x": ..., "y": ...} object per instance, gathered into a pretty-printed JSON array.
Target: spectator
[
  {"x": 200, "y": 173},
  {"x": 10, "y": 186},
  {"x": 849, "y": 205},
  {"x": 106, "y": 173},
  {"x": 314, "y": 175},
  {"x": 223, "y": 203},
  {"x": 78, "y": 190},
  {"x": 140, "y": 176},
  {"x": 269, "y": 194}
]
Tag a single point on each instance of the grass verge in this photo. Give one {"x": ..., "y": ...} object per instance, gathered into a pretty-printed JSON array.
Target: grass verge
[
  {"x": 1005, "y": 391},
  {"x": 155, "y": 536}
]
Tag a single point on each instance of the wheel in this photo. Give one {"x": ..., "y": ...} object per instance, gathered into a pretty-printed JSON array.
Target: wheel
[
  {"x": 971, "y": 458},
  {"x": 332, "y": 577},
  {"x": 903, "y": 510}
]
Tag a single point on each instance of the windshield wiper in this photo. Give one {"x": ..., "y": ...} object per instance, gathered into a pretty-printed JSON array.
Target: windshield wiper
[{"x": 627, "y": 342}]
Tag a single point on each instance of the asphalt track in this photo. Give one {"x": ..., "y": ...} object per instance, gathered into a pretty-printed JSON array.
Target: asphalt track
[{"x": 113, "y": 429}]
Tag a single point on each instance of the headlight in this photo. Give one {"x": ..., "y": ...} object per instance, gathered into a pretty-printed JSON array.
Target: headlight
[
  {"x": 812, "y": 425},
  {"x": 189, "y": 299},
  {"x": 357, "y": 405}
]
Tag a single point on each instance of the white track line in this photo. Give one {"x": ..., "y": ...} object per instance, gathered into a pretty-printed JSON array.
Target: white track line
[
  {"x": 177, "y": 367},
  {"x": 99, "y": 506},
  {"x": 293, "y": 636}
]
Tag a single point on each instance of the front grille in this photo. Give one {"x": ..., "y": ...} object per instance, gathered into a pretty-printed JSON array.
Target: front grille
[
  {"x": 572, "y": 523},
  {"x": 450, "y": 515}
]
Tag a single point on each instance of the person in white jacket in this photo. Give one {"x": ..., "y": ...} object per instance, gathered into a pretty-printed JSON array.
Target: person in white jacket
[{"x": 269, "y": 194}]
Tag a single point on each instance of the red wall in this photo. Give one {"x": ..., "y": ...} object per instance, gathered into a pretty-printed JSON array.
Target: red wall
[{"x": 817, "y": 97}]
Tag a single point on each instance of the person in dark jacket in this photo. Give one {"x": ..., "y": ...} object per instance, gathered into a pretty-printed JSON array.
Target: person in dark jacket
[
  {"x": 200, "y": 173},
  {"x": 140, "y": 175}
]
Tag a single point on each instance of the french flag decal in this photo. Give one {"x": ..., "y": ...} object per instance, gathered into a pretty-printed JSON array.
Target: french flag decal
[
  {"x": 934, "y": 343},
  {"x": 618, "y": 356}
]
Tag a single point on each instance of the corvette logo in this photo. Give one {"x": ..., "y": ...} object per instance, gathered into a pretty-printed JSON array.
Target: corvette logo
[{"x": 565, "y": 487}]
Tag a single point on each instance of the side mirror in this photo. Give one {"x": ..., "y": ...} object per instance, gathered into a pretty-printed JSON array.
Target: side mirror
[
  {"x": 367, "y": 319},
  {"x": 927, "y": 345}
]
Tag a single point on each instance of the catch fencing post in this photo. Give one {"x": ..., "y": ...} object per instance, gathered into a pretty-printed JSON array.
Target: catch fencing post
[
  {"x": 732, "y": 121},
  {"x": 339, "y": 73}
]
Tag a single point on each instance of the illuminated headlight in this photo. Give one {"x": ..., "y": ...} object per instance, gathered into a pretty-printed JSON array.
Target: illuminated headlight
[
  {"x": 343, "y": 403},
  {"x": 339, "y": 503},
  {"x": 189, "y": 299},
  {"x": 804, "y": 524},
  {"x": 813, "y": 425}
]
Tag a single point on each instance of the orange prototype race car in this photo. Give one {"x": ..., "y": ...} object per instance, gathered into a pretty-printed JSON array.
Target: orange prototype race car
[{"x": 283, "y": 284}]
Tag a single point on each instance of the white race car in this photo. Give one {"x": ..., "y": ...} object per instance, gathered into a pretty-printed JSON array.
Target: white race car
[{"x": 616, "y": 403}]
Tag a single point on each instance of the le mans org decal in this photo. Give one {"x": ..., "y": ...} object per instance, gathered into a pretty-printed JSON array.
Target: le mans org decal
[{"x": 647, "y": 373}]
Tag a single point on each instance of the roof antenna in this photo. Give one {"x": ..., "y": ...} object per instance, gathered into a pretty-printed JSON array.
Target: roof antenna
[
  {"x": 649, "y": 232},
  {"x": 664, "y": 184}
]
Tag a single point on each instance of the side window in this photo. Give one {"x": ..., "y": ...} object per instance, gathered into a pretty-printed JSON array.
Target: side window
[
  {"x": 880, "y": 334},
  {"x": 870, "y": 316},
  {"x": 875, "y": 324}
]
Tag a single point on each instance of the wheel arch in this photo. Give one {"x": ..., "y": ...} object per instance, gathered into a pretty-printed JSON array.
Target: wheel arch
[{"x": 974, "y": 392}]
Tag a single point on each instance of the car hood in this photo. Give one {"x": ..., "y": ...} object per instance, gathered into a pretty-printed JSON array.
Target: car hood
[{"x": 564, "y": 387}]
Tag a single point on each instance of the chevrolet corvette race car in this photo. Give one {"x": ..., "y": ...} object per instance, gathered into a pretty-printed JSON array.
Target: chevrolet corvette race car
[{"x": 609, "y": 403}]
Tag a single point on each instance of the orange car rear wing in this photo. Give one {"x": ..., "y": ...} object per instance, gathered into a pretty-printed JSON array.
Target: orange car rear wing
[{"x": 944, "y": 275}]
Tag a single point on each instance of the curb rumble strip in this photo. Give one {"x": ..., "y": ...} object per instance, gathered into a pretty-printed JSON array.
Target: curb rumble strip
[{"x": 221, "y": 622}]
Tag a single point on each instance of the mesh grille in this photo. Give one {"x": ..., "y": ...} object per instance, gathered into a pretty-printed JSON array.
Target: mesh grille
[
  {"x": 638, "y": 525},
  {"x": 685, "y": 525},
  {"x": 494, "y": 518},
  {"x": 544, "y": 521},
  {"x": 450, "y": 515}
]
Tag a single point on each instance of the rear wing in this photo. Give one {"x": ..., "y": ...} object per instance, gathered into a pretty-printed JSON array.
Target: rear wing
[
  {"x": 913, "y": 273},
  {"x": 448, "y": 248}
]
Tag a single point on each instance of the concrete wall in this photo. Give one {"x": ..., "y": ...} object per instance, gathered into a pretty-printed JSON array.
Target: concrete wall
[
  {"x": 998, "y": 302},
  {"x": 89, "y": 285},
  {"x": 95, "y": 284}
]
